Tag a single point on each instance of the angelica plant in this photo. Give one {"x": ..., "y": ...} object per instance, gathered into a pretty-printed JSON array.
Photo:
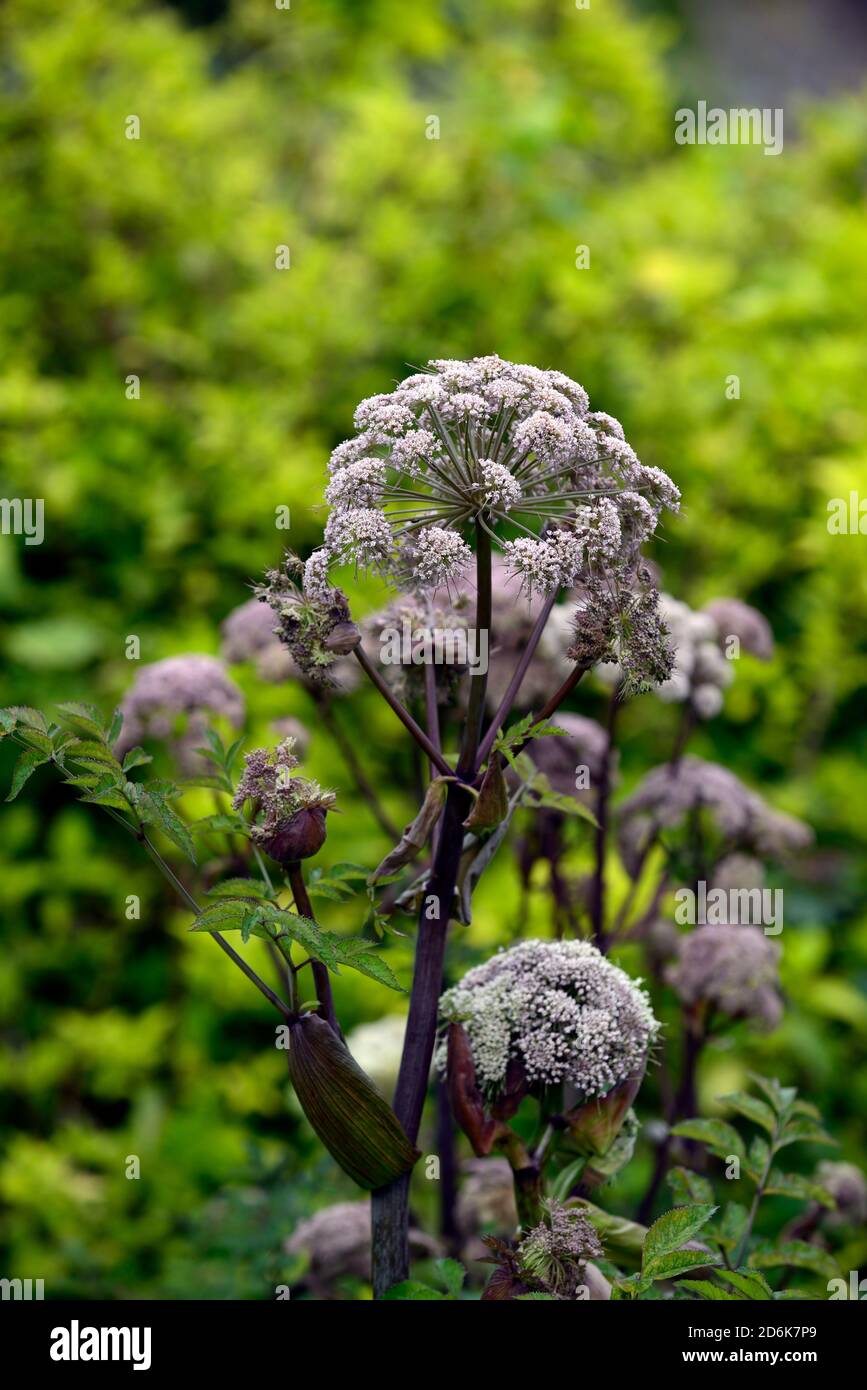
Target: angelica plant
[{"x": 459, "y": 460}]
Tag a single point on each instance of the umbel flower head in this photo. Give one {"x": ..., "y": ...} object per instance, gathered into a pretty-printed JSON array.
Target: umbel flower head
[
  {"x": 174, "y": 700},
  {"x": 558, "y": 1011},
  {"x": 511, "y": 448},
  {"x": 670, "y": 793},
  {"x": 289, "y": 810},
  {"x": 733, "y": 968}
]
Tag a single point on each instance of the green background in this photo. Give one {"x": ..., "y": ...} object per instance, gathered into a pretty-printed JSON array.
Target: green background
[{"x": 156, "y": 257}]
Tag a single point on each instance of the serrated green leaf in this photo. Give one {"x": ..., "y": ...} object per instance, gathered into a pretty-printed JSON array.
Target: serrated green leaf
[
  {"x": 85, "y": 719},
  {"x": 732, "y": 1225},
  {"x": 28, "y": 761},
  {"x": 748, "y": 1282},
  {"x": 705, "y": 1289},
  {"x": 678, "y": 1262},
  {"x": 803, "y": 1129},
  {"x": 136, "y": 757},
  {"x": 321, "y": 888},
  {"x": 797, "y": 1185},
  {"x": 689, "y": 1188},
  {"x": 721, "y": 1138},
  {"x": 226, "y": 914},
  {"x": 771, "y": 1089},
  {"x": 239, "y": 888},
  {"x": 155, "y": 810},
  {"x": 411, "y": 1290},
  {"x": 795, "y": 1254},
  {"x": 31, "y": 718},
  {"x": 88, "y": 751},
  {"x": 36, "y": 740},
  {"x": 671, "y": 1231},
  {"x": 350, "y": 872},
  {"x": 756, "y": 1110}
]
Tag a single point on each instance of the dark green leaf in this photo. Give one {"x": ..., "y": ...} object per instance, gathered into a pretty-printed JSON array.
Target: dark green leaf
[
  {"x": 748, "y": 1282},
  {"x": 452, "y": 1274},
  {"x": 239, "y": 888},
  {"x": 797, "y": 1254},
  {"x": 28, "y": 761},
  {"x": 705, "y": 1289},
  {"x": 677, "y": 1262},
  {"x": 756, "y": 1110},
  {"x": 721, "y": 1138},
  {"x": 671, "y": 1231},
  {"x": 688, "y": 1187}
]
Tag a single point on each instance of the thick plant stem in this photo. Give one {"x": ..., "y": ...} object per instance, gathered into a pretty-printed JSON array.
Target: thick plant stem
[
  {"x": 391, "y": 1205},
  {"x": 601, "y": 838}
]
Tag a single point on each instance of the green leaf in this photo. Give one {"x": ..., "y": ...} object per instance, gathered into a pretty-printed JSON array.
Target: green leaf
[
  {"x": 756, "y": 1110},
  {"x": 732, "y": 1225},
  {"x": 688, "y": 1187},
  {"x": 84, "y": 719},
  {"x": 797, "y": 1185},
  {"x": 705, "y": 1289},
  {"x": 803, "y": 1129},
  {"x": 155, "y": 810},
  {"x": 556, "y": 801},
  {"x": 31, "y": 718},
  {"x": 721, "y": 1138},
  {"x": 226, "y": 914},
  {"x": 374, "y": 965},
  {"x": 748, "y": 1282},
  {"x": 28, "y": 761},
  {"x": 452, "y": 1274},
  {"x": 89, "y": 752},
  {"x": 520, "y": 732},
  {"x": 136, "y": 757},
  {"x": 678, "y": 1262},
  {"x": 412, "y": 1291},
  {"x": 351, "y": 872},
  {"x": 796, "y": 1254},
  {"x": 321, "y": 888},
  {"x": 38, "y": 741},
  {"x": 239, "y": 888},
  {"x": 115, "y": 727},
  {"x": 671, "y": 1231},
  {"x": 772, "y": 1090},
  {"x": 107, "y": 792}
]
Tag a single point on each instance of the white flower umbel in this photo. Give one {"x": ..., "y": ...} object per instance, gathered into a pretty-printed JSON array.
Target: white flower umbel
[
  {"x": 562, "y": 1009},
  {"x": 496, "y": 446}
]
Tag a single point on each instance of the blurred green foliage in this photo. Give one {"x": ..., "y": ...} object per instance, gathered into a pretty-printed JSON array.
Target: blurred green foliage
[{"x": 156, "y": 258}]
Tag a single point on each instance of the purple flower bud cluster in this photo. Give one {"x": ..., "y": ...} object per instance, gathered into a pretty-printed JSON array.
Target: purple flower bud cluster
[
  {"x": 175, "y": 700},
  {"x": 670, "y": 793},
  {"x": 735, "y": 969}
]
